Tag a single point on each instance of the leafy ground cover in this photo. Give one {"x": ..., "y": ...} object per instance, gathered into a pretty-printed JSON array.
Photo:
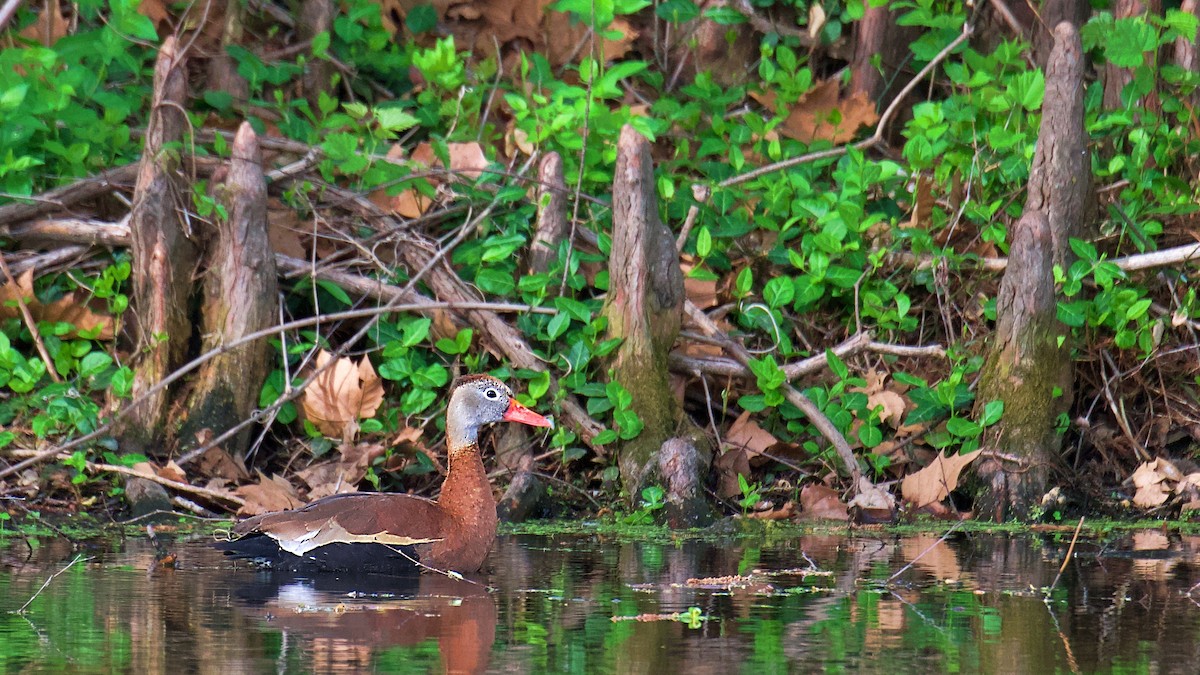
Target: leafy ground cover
[{"x": 853, "y": 254}]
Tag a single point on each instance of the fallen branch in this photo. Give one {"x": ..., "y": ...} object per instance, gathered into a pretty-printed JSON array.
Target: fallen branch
[
  {"x": 793, "y": 396},
  {"x": 211, "y": 495}
]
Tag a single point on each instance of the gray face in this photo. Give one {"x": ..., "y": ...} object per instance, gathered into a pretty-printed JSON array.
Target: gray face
[{"x": 474, "y": 404}]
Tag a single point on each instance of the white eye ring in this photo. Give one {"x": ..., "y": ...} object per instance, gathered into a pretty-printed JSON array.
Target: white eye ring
[{"x": 491, "y": 393}]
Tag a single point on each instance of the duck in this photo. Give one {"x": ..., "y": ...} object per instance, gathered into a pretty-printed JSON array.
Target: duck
[{"x": 396, "y": 533}]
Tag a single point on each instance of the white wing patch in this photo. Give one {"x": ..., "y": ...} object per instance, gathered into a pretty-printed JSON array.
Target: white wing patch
[{"x": 333, "y": 533}]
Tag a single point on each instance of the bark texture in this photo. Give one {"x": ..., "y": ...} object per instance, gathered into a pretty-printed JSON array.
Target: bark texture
[
  {"x": 1026, "y": 364},
  {"x": 552, "y": 214},
  {"x": 316, "y": 17},
  {"x": 164, "y": 256},
  {"x": 222, "y": 68},
  {"x": 1052, "y": 13},
  {"x": 1060, "y": 179},
  {"x": 877, "y": 34},
  {"x": 644, "y": 309},
  {"x": 240, "y": 297}
]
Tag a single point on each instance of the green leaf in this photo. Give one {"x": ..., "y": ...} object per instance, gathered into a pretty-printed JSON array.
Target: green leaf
[
  {"x": 963, "y": 427},
  {"x": 870, "y": 435},
  {"x": 558, "y": 325},
  {"x": 415, "y": 331},
  {"x": 1131, "y": 38},
  {"x": 992, "y": 412},
  {"x": 703, "y": 242},
  {"x": 395, "y": 120},
  {"x": 421, "y": 19},
  {"x": 837, "y": 365},
  {"x": 779, "y": 292}
]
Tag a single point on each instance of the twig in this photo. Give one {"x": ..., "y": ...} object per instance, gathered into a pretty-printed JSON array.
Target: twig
[
  {"x": 7, "y": 11},
  {"x": 30, "y": 323},
  {"x": 47, "y": 583},
  {"x": 173, "y": 484},
  {"x": 940, "y": 539},
  {"x": 1067, "y": 559},
  {"x": 793, "y": 396}
]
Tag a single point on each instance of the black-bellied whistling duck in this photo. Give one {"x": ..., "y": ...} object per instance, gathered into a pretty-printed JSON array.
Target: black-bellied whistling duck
[{"x": 365, "y": 531}]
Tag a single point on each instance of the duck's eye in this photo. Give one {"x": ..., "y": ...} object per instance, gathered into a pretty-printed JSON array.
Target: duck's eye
[{"x": 491, "y": 393}]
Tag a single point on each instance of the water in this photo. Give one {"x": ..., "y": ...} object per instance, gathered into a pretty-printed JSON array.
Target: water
[{"x": 822, "y": 603}]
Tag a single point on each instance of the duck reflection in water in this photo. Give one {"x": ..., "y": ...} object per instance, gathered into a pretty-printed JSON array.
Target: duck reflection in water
[{"x": 344, "y": 622}]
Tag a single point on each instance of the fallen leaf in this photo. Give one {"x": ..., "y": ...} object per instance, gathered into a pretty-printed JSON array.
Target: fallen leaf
[
  {"x": 872, "y": 497},
  {"x": 342, "y": 394},
  {"x": 216, "y": 463},
  {"x": 821, "y": 501},
  {"x": 269, "y": 494},
  {"x": 50, "y": 26},
  {"x": 936, "y": 481},
  {"x": 67, "y": 309},
  {"x": 172, "y": 471},
  {"x": 745, "y": 433},
  {"x": 820, "y": 114},
  {"x": 787, "y": 510},
  {"x": 467, "y": 159},
  {"x": 343, "y": 474},
  {"x": 1151, "y": 495}
]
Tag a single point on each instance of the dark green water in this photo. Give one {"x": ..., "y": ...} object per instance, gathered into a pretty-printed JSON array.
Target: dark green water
[{"x": 807, "y": 604}]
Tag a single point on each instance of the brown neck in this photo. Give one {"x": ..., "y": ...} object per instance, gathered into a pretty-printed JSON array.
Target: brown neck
[{"x": 466, "y": 494}]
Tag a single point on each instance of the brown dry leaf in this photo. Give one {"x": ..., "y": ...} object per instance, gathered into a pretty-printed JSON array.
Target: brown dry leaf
[
  {"x": 821, "y": 114},
  {"x": 216, "y": 463},
  {"x": 156, "y": 11},
  {"x": 745, "y": 433},
  {"x": 342, "y": 394},
  {"x": 936, "y": 481},
  {"x": 269, "y": 494},
  {"x": 872, "y": 497},
  {"x": 50, "y": 25},
  {"x": 569, "y": 41},
  {"x": 922, "y": 215},
  {"x": 787, "y": 510},
  {"x": 344, "y": 474},
  {"x": 1149, "y": 473},
  {"x": 66, "y": 309},
  {"x": 730, "y": 464},
  {"x": 283, "y": 229},
  {"x": 893, "y": 405},
  {"x": 1151, "y": 495},
  {"x": 821, "y": 501},
  {"x": 1150, "y": 540},
  {"x": 702, "y": 292},
  {"x": 467, "y": 159},
  {"x": 172, "y": 471}
]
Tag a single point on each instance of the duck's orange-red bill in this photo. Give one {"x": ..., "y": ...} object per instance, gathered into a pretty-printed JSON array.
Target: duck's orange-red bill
[{"x": 519, "y": 413}]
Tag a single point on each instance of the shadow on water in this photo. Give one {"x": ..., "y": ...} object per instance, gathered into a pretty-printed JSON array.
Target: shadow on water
[{"x": 972, "y": 603}]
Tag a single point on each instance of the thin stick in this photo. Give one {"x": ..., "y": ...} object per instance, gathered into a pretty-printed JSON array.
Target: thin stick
[
  {"x": 1067, "y": 559},
  {"x": 30, "y": 323},
  {"x": 173, "y": 484},
  {"x": 47, "y": 583}
]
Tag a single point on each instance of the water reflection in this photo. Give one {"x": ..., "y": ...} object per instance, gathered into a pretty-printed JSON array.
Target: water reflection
[{"x": 861, "y": 603}]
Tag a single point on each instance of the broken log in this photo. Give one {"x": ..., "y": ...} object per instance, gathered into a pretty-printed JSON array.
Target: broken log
[
  {"x": 645, "y": 310},
  {"x": 551, "y": 214},
  {"x": 164, "y": 261},
  {"x": 240, "y": 298},
  {"x": 1028, "y": 365}
]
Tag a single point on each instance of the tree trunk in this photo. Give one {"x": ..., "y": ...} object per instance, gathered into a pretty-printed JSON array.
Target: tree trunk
[
  {"x": 316, "y": 17},
  {"x": 1028, "y": 368},
  {"x": 240, "y": 297},
  {"x": 1052, "y": 13},
  {"x": 644, "y": 309},
  {"x": 878, "y": 35},
  {"x": 164, "y": 257}
]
